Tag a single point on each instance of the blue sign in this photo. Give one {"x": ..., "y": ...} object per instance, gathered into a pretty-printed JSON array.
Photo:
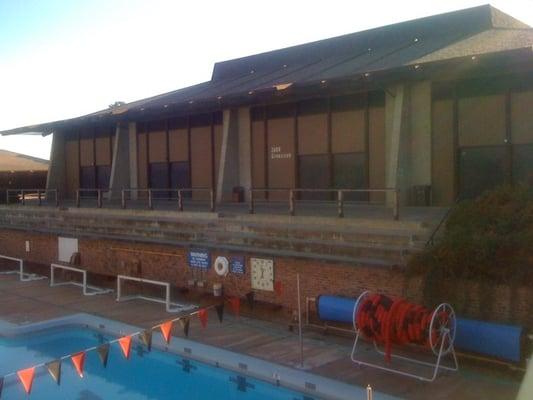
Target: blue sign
[
  {"x": 236, "y": 265},
  {"x": 199, "y": 259}
]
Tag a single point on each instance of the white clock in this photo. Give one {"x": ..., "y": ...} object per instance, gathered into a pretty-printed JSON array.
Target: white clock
[{"x": 262, "y": 271}]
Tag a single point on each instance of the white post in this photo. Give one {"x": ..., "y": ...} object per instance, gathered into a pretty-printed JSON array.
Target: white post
[{"x": 369, "y": 395}]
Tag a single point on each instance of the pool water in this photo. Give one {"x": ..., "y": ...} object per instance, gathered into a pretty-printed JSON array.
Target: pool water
[{"x": 147, "y": 375}]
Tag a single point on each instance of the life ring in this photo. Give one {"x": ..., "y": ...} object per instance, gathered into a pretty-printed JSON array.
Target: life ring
[{"x": 221, "y": 266}]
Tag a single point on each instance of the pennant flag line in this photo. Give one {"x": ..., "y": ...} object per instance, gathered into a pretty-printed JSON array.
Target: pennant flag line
[
  {"x": 220, "y": 311},
  {"x": 54, "y": 369},
  {"x": 146, "y": 338},
  {"x": 185, "y": 322},
  {"x": 166, "y": 330},
  {"x": 125, "y": 345},
  {"x": 78, "y": 360},
  {"x": 103, "y": 353},
  {"x": 202, "y": 314},
  {"x": 26, "y": 378}
]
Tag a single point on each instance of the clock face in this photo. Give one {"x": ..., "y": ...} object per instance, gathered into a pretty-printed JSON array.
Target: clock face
[{"x": 262, "y": 271}]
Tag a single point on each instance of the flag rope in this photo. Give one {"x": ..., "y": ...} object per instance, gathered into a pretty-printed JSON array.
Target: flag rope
[{"x": 109, "y": 342}]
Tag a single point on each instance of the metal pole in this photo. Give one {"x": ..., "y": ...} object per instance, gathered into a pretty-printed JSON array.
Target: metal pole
[
  {"x": 78, "y": 198},
  {"x": 251, "y": 208},
  {"x": 57, "y": 197},
  {"x": 340, "y": 204},
  {"x": 7, "y": 197},
  {"x": 396, "y": 211},
  {"x": 99, "y": 198},
  {"x": 150, "y": 205},
  {"x": 300, "y": 322},
  {"x": 369, "y": 394},
  {"x": 23, "y": 198},
  {"x": 39, "y": 196},
  {"x": 212, "y": 199},
  {"x": 180, "y": 200},
  {"x": 123, "y": 198},
  {"x": 291, "y": 202}
]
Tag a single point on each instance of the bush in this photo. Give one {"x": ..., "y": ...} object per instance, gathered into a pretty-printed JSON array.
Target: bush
[{"x": 488, "y": 239}]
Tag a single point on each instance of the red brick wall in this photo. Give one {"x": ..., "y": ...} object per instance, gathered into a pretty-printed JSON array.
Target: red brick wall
[{"x": 169, "y": 264}]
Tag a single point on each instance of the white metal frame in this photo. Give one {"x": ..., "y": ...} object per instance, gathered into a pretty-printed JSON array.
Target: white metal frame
[
  {"x": 442, "y": 347},
  {"x": 23, "y": 276},
  {"x": 88, "y": 290},
  {"x": 169, "y": 305}
]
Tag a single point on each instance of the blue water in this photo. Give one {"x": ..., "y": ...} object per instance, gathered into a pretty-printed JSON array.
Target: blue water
[{"x": 154, "y": 375}]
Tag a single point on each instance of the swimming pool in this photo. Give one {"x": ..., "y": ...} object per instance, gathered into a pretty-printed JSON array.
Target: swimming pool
[
  {"x": 147, "y": 375},
  {"x": 184, "y": 369}
]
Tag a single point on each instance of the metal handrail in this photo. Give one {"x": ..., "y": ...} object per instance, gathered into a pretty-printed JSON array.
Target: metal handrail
[
  {"x": 340, "y": 197},
  {"x": 95, "y": 190},
  {"x": 431, "y": 239},
  {"x": 179, "y": 191},
  {"x": 39, "y": 192}
]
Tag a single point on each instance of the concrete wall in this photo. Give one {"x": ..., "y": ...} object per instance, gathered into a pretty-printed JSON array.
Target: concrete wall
[
  {"x": 408, "y": 138},
  {"x": 56, "y": 178}
]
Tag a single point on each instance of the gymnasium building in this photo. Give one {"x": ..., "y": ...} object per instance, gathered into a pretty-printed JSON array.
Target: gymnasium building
[{"x": 271, "y": 151}]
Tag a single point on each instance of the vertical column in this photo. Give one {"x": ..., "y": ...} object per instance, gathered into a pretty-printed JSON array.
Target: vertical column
[
  {"x": 228, "y": 171},
  {"x": 134, "y": 181},
  {"x": 120, "y": 167},
  {"x": 245, "y": 149},
  {"x": 56, "y": 178}
]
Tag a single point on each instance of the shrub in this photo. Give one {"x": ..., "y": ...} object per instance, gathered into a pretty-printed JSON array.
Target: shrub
[{"x": 488, "y": 239}]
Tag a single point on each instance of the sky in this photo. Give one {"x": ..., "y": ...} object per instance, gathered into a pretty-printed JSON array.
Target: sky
[{"x": 65, "y": 58}]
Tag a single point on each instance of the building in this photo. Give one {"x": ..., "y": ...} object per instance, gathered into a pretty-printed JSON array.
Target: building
[
  {"x": 19, "y": 171},
  {"x": 432, "y": 109}
]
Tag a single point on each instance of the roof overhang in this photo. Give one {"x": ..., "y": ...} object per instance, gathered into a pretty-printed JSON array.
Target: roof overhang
[{"x": 509, "y": 61}]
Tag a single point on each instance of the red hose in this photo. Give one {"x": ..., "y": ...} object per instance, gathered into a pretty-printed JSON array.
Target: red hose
[{"x": 387, "y": 322}]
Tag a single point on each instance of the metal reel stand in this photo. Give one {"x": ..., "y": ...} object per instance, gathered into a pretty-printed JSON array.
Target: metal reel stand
[{"x": 443, "y": 321}]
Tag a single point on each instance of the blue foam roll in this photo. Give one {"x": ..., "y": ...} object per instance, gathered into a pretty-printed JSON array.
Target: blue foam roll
[
  {"x": 335, "y": 308},
  {"x": 496, "y": 340}
]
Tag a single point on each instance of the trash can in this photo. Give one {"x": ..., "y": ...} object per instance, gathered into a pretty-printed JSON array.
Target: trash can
[
  {"x": 421, "y": 195},
  {"x": 238, "y": 194}
]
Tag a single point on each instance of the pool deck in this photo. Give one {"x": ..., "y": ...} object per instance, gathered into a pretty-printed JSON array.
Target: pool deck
[{"x": 329, "y": 356}]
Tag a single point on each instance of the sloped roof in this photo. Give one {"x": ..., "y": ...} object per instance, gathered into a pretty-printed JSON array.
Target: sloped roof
[
  {"x": 474, "y": 31},
  {"x": 10, "y": 161}
]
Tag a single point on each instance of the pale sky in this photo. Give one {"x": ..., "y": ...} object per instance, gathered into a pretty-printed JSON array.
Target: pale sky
[{"x": 65, "y": 58}]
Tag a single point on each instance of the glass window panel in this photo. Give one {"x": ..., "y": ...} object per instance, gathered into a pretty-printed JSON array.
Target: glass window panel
[{"x": 481, "y": 169}]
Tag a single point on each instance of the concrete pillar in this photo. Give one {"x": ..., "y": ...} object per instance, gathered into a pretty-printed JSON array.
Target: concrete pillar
[
  {"x": 228, "y": 171},
  {"x": 56, "y": 178},
  {"x": 420, "y": 134},
  {"x": 134, "y": 182},
  {"x": 407, "y": 138},
  {"x": 235, "y": 162},
  {"x": 245, "y": 149},
  {"x": 120, "y": 168}
]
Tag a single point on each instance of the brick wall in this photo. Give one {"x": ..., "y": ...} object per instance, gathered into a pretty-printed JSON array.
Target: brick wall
[{"x": 169, "y": 263}]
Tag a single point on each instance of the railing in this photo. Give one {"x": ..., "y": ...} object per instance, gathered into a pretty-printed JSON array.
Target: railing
[
  {"x": 431, "y": 239},
  {"x": 32, "y": 194},
  {"x": 180, "y": 195},
  {"x": 340, "y": 196},
  {"x": 98, "y": 192}
]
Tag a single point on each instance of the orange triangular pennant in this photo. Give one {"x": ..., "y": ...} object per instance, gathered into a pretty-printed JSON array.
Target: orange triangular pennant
[
  {"x": 125, "y": 345},
  {"x": 78, "y": 360},
  {"x": 202, "y": 314},
  {"x": 166, "y": 330},
  {"x": 26, "y": 378},
  {"x": 235, "y": 304}
]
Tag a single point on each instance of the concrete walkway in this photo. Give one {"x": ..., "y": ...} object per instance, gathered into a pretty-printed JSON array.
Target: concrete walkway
[{"x": 27, "y": 302}]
